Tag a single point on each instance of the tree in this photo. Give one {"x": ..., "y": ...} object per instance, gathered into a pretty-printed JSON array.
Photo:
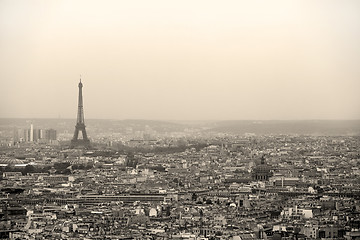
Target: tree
[
  {"x": 62, "y": 167},
  {"x": 193, "y": 197},
  {"x": 28, "y": 169}
]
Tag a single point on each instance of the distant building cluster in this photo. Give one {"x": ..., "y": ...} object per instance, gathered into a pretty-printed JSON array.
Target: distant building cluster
[{"x": 34, "y": 135}]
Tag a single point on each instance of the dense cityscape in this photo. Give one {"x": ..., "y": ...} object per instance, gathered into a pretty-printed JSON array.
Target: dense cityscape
[
  {"x": 153, "y": 186},
  {"x": 185, "y": 120},
  {"x": 140, "y": 179}
]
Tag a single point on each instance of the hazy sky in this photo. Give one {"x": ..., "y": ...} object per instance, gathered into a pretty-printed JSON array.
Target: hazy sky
[{"x": 181, "y": 60}]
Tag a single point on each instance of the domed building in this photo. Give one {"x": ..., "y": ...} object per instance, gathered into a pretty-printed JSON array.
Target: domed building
[
  {"x": 262, "y": 172},
  {"x": 10, "y": 161}
]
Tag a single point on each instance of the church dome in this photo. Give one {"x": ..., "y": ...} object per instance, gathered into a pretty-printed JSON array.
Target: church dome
[{"x": 262, "y": 171}]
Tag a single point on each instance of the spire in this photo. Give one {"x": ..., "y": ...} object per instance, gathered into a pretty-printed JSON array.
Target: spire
[{"x": 80, "y": 83}]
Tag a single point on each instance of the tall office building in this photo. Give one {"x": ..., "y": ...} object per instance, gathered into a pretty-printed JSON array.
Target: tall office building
[
  {"x": 34, "y": 135},
  {"x": 31, "y": 133},
  {"x": 26, "y": 135},
  {"x": 50, "y": 134}
]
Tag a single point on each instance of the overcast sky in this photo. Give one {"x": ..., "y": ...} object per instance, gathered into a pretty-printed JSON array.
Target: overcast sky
[{"x": 181, "y": 60}]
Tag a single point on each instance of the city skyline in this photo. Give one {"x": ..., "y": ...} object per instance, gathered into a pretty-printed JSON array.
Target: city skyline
[{"x": 202, "y": 60}]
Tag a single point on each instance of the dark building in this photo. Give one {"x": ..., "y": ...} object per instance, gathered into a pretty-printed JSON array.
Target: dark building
[
  {"x": 262, "y": 172},
  {"x": 50, "y": 134}
]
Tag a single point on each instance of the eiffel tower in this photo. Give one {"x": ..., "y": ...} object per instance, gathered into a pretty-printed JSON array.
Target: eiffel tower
[{"x": 80, "y": 125}]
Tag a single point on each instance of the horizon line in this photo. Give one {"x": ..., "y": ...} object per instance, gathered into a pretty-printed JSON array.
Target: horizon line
[{"x": 184, "y": 120}]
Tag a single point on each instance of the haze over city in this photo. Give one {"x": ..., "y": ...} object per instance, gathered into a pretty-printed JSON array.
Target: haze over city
[
  {"x": 191, "y": 119},
  {"x": 183, "y": 60}
]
